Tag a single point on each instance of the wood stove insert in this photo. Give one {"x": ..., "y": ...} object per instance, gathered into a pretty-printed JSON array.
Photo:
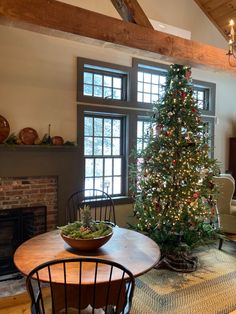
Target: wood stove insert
[{"x": 18, "y": 225}]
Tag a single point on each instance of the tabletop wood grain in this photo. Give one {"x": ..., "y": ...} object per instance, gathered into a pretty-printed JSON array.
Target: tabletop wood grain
[{"x": 133, "y": 250}]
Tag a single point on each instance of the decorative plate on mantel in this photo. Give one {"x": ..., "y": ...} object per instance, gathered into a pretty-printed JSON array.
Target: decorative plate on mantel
[
  {"x": 4, "y": 129},
  {"x": 28, "y": 136}
]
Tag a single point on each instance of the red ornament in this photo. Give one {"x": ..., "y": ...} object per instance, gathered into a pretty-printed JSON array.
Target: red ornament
[
  {"x": 194, "y": 110},
  {"x": 196, "y": 195},
  {"x": 174, "y": 162},
  {"x": 183, "y": 94}
]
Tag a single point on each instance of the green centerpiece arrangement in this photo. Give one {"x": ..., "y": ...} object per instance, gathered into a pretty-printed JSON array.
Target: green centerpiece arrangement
[{"x": 86, "y": 234}]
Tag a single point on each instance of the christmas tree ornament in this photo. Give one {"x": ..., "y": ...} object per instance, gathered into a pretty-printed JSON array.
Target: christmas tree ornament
[
  {"x": 196, "y": 195},
  {"x": 188, "y": 74}
]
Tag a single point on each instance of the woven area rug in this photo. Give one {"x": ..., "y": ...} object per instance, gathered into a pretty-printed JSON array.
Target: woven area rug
[{"x": 209, "y": 290}]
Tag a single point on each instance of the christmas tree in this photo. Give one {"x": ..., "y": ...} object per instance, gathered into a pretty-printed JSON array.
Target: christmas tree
[{"x": 174, "y": 191}]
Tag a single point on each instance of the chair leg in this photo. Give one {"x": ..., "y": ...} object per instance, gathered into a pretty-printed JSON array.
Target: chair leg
[{"x": 220, "y": 243}]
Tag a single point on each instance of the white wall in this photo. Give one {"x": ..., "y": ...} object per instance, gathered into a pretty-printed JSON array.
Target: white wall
[
  {"x": 184, "y": 14},
  {"x": 38, "y": 74}
]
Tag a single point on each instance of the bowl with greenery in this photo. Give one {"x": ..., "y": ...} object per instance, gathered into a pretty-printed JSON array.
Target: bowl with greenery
[{"x": 87, "y": 234}]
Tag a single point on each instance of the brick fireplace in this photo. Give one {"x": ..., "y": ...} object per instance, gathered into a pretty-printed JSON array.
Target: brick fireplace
[
  {"x": 34, "y": 177},
  {"x": 22, "y": 192},
  {"x": 37, "y": 175},
  {"x": 28, "y": 207}
]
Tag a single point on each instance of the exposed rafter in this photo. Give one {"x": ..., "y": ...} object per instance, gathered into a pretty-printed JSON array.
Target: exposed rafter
[
  {"x": 55, "y": 15},
  {"x": 131, "y": 11}
]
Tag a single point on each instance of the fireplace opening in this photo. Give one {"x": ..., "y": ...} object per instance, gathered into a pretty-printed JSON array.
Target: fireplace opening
[{"x": 18, "y": 225}]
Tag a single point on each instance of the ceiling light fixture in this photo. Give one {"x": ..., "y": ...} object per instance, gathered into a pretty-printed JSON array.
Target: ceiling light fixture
[{"x": 232, "y": 44}]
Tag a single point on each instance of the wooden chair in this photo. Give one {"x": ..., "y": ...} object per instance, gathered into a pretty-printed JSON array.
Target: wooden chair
[
  {"x": 100, "y": 286},
  {"x": 101, "y": 204}
]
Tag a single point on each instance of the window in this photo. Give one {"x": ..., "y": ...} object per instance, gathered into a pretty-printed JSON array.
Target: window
[
  {"x": 208, "y": 133},
  {"x": 204, "y": 94},
  {"x": 103, "y": 152},
  {"x": 151, "y": 82},
  {"x": 114, "y": 106},
  {"x": 101, "y": 82},
  {"x": 107, "y": 86},
  {"x": 150, "y": 86},
  {"x": 201, "y": 96},
  {"x": 143, "y": 126}
]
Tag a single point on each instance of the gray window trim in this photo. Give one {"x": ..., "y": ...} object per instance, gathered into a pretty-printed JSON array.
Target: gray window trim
[
  {"x": 97, "y": 100},
  {"x": 122, "y": 154},
  {"x": 159, "y": 68},
  {"x": 129, "y": 142},
  {"x": 212, "y": 96},
  {"x": 162, "y": 69}
]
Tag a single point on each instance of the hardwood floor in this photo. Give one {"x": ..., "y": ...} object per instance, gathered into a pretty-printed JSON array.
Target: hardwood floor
[
  {"x": 18, "y": 304},
  {"x": 21, "y": 305}
]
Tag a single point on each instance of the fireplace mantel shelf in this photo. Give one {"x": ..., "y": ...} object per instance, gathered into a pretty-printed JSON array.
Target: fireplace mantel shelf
[{"x": 13, "y": 148}]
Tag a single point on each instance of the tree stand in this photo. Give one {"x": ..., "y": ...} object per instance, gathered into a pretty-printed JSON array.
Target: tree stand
[{"x": 180, "y": 263}]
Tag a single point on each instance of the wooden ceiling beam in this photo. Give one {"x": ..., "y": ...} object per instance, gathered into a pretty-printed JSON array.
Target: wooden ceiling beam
[
  {"x": 131, "y": 11},
  {"x": 55, "y": 15}
]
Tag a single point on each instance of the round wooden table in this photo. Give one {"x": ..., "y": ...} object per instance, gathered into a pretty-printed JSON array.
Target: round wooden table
[{"x": 133, "y": 250}]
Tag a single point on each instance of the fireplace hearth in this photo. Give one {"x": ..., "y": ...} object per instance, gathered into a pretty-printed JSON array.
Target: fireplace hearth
[{"x": 18, "y": 225}]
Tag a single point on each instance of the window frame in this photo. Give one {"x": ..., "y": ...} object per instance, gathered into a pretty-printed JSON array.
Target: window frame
[
  {"x": 131, "y": 117},
  {"x": 131, "y": 109},
  {"x": 211, "y": 121},
  {"x": 104, "y": 73},
  {"x": 122, "y": 70},
  {"x": 122, "y": 155},
  {"x": 211, "y": 89},
  {"x": 143, "y": 120},
  {"x": 153, "y": 67},
  {"x": 161, "y": 69}
]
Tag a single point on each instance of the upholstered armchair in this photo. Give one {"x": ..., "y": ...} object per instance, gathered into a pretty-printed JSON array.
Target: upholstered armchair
[{"x": 226, "y": 206}]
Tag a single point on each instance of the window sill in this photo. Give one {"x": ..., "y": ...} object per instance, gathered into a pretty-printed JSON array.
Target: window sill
[{"x": 119, "y": 200}]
